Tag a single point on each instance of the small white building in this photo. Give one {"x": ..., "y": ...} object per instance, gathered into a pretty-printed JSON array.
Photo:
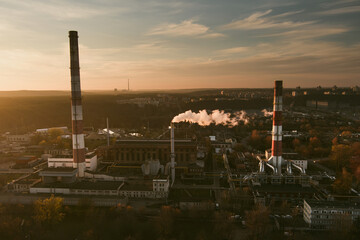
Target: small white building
[
  {"x": 67, "y": 161},
  {"x": 158, "y": 189},
  {"x": 151, "y": 189},
  {"x": 301, "y": 163},
  {"x": 18, "y": 138},
  {"x": 161, "y": 185},
  {"x": 46, "y": 130},
  {"x": 222, "y": 147}
]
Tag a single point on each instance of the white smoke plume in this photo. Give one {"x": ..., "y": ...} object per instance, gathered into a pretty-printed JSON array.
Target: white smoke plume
[
  {"x": 217, "y": 117},
  {"x": 267, "y": 113}
]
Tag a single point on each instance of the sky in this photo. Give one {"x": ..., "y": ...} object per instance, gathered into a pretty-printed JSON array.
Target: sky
[{"x": 168, "y": 44}]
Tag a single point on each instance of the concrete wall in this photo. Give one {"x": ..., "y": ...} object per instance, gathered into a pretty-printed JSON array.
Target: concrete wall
[
  {"x": 143, "y": 194},
  {"x": 35, "y": 190}
]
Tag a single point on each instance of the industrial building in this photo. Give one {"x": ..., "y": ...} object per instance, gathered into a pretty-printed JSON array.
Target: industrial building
[
  {"x": 148, "y": 189},
  {"x": 79, "y": 174},
  {"x": 138, "y": 151},
  {"x": 18, "y": 138},
  {"x": 327, "y": 214},
  {"x": 276, "y": 161},
  {"x": 276, "y": 180},
  {"x": 91, "y": 161}
]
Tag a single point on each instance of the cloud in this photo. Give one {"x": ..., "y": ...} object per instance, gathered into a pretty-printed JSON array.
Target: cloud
[
  {"x": 336, "y": 3},
  {"x": 308, "y": 62},
  {"x": 312, "y": 32},
  {"x": 63, "y": 10},
  {"x": 285, "y": 28},
  {"x": 344, "y": 10},
  {"x": 258, "y": 20},
  {"x": 185, "y": 28},
  {"x": 286, "y": 14},
  {"x": 234, "y": 50},
  {"x": 212, "y": 35}
]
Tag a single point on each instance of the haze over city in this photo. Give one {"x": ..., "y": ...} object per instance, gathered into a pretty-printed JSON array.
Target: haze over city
[
  {"x": 180, "y": 44},
  {"x": 181, "y": 120}
]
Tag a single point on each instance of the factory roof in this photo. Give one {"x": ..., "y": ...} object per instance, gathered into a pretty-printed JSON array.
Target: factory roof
[
  {"x": 87, "y": 155},
  {"x": 191, "y": 195},
  {"x": 99, "y": 185},
  {"x": 26, "y": 181},
  {"x": 286, "y": 188},
  {"x": 152, "y": 141},
  {"x": 61, "y": 171},
  {"x": 332, "y": 204},
  {"x": 144, "y": 185}
]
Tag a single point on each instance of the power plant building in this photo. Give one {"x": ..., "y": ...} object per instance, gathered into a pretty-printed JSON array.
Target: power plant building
[
  {"x": 276, "y": 181},
  {"x": 77, "y": 174},
  {"x": 138, "y": 151}
]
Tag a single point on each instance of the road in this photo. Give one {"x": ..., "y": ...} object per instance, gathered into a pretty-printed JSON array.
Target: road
[
  {"x": 9, "y": 198},
  {"x": 212, "y": 187},
  {"x": 228, "y": 170}
]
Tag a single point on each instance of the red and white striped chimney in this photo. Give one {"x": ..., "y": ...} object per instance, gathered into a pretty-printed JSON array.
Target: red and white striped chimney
[
  {"x": 76, "y": 107},
  {"x": 276, "y": 150},
  {"x": 172, "y": 153}
]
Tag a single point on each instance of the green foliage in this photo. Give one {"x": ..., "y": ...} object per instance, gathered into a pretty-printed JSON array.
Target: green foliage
[
  {"x": 49, "y": 210},
  {"x": 54, "y": 133}
]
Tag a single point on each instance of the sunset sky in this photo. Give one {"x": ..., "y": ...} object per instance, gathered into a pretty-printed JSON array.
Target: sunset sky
[{"x": 165, "y": 44}]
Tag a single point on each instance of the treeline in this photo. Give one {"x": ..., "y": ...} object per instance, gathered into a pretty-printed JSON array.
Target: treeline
[
  {"x": 49, "y": 219},
  {"x": 25, "y": 114}
]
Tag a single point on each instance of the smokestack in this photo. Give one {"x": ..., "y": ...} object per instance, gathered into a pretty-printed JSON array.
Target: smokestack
[
  {"x": 276, "y": 150},
  {"x": 172, "y": 154},
  {"x": 107, "y": 132},
  {"x": 76, "y": 107}
]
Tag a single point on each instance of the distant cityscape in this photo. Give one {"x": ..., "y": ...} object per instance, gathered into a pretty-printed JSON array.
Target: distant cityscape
[{"x": 243, "y": 163}]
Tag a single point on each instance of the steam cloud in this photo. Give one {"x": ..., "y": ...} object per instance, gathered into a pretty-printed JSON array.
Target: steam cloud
[
  {"x": 217, "y": 117},
  {"x": 267, "y": 113}
]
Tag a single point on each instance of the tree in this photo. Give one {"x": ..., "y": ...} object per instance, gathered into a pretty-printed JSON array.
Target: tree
[
  {"x": 342, "y": 185},
  {"x": 296, "y": 143},
  {"x": 223, "y": 225},
  {"x": 49, "y": 210},
  {"x": 314, "y": 142},
  {"x": 255, "y": 140},
  {"x": 340, "y": 154},
  {"x": 346, "y": 134},
  {"x": 335, "y": 141},
  {"x": 166, "y": 221},
  {"x": 257, "y": 221},
  {"x": 355, "y": 160},
  {"x": 55, "y": 132}
]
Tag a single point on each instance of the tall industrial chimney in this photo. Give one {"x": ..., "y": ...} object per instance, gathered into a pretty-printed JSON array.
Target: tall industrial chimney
[
  {"x": 276, "y": 150},
  {"x": 172, "y": 154},
  {"x": 76, "y": 107}
]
